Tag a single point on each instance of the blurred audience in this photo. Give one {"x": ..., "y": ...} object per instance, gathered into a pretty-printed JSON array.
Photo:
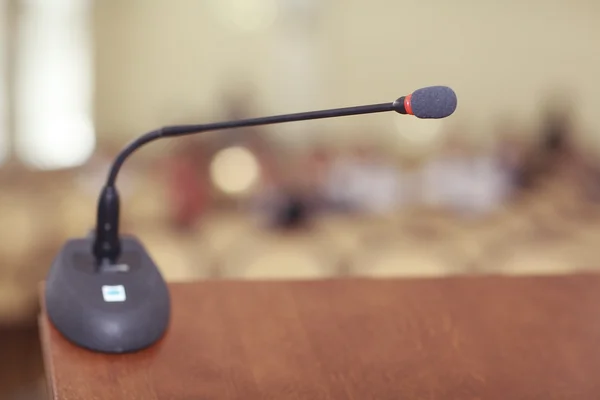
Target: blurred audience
[
  {"x": 448, "y": 179},
  {"x": 490, "y": 186},
  {"x": 187, "y": 184},
  {"x": 512, "y": 158},
  {"x": 285, "y": 198},
  {"x": 459, "y": 178},
  {"x": 557, "y": 148},
  {"x": 364, "y": 181}
]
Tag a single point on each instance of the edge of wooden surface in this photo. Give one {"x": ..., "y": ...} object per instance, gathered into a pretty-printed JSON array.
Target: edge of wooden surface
[
  {"x": 45, "y": 341},
  {"x": 46, "y": 331},
  {"x": 49, "y": 370}
]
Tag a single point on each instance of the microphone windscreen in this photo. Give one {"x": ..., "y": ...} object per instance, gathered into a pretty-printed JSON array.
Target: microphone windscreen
[{"x": 433, "y": 102}]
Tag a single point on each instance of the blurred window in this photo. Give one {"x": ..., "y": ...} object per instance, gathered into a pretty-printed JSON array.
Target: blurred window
[
  {"x": 53, "y": 102},
  {"x": 3, "y": 89}
]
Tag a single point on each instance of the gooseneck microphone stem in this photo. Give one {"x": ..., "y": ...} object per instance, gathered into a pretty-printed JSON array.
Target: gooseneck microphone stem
[
  {"x": 107, "y": 246},
  {"x": 183, "y": 130}
]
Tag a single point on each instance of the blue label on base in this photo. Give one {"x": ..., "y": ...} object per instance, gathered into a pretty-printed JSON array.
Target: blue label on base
[{"x": 113, "y": 293}]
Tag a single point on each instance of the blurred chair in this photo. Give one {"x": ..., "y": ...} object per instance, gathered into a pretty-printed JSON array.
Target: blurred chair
[
  {"x": 77, "y": 214},
  {"x": 283, "y": 263},
  {"x": 345, "y": 236},
  {"x": 400, "y": 261},
  {"x": 584, "y": 240},
  {"x": 20, "y": 215},
  {"x": 439, "y": 234},
  {"x": 174, "y": 255},
  {"x": 517, "y": 223},
  {"x": 18, "y": 299},
  {"x": 409, "y": 246},
  {"x": 536, "y": 259},
  {"x": 20, "y": 243},
  {"x": 275, "y": 255},
  {"x": 148, "y": 204},
  {"x": 219, "y": 232},
  {"x": 340, "y": 230}
]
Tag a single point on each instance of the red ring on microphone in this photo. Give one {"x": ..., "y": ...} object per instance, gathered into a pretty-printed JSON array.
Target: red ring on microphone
[{"x": 407, "y": 105}]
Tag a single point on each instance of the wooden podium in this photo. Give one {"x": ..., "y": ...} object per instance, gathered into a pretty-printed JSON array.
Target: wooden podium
[{"x": 450, "y": 338}]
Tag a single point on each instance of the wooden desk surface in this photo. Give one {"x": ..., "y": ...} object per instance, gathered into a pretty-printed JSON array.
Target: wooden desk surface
[{"x": 456, "y": 338}]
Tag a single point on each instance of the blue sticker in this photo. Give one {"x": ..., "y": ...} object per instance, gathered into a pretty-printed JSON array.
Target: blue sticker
[{"x": 114, "y": 293}]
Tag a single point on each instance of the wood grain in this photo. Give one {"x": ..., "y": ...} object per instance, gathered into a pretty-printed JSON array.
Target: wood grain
[
  {"x": 451, "y": 338},
  {"x": 21, "y": 370}
]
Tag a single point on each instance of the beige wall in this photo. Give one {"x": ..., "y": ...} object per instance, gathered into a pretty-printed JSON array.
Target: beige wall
[
  {"x": 161, "y": 61},
  {"x": 165, "y": 61}
]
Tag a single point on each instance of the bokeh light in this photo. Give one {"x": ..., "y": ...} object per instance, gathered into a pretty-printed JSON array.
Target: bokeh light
[
  {"x": 247, "y": 15},
  {"x": 234, "y": 170}
]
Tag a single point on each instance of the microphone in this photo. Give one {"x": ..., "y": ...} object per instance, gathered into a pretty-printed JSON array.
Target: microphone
[
  {"x": 105, "y": 293},
  {"x": 432, "y": 102}
]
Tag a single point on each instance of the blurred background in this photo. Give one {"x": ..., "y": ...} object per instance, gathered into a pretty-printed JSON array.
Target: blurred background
[{"x": 510, "y": 184}]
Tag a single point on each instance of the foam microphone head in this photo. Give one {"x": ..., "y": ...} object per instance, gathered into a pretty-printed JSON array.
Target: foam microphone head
[{"x": 432, "y": 102}]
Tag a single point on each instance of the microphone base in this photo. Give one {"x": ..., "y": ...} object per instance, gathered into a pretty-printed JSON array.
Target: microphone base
[{"x": 117, "y": 308}]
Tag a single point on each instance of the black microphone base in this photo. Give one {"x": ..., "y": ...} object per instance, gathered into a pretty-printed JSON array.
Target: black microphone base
[{"x": 119, "y": 308}]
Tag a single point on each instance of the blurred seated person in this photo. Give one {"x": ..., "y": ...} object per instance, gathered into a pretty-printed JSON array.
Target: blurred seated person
[
  {"x": 492, "y": 184},
  {"x": 187, "y": 184},
  {"x": 570, "y": 173},
  {"x": 464, "y": 181},
  {"x": 446, "y": 176},
  {"x": 282, "y": 199},
  {"x": 557, "y": 147},
  {"x": 512, "y": 156},
  {"x": 589, "y": 176},
  {"x": 364, "y": 182},
  {"x": 338, "y": 182},
  {"x": 294, "y": 210},
  {"x": 555, "y": 156},
  {"x": 317, "y": 166}
]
